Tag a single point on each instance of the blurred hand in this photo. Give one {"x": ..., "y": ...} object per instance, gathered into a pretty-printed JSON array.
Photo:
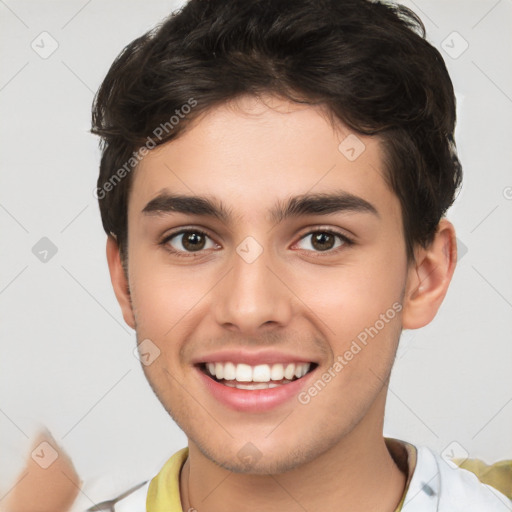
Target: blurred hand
[{"x": 47, "y": 483}]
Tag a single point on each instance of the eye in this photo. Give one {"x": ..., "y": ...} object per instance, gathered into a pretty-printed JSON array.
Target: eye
[
  {"x": 188, "y": 241},
  {"x": 324, "y": 241}
]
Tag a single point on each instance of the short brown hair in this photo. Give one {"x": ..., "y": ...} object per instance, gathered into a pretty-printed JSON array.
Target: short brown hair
[{"x": 367, "y": 61}]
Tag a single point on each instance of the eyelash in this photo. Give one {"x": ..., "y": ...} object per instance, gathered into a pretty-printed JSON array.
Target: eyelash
[
  {"x": 182, "y": 254},
  {"x": 346, "y": 242}
]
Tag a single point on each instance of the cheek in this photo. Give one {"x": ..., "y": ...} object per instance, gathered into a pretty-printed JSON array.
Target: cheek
[
  {"x": 361, "y": 320},
  {"x": 163, "y": 297},
  {"x": 360, "y": 311},
  {"x": 351, "y": 298}
]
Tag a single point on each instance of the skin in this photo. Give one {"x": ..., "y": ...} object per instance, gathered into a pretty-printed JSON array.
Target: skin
[
  {"x": 249, "y": 154},
  {"x": 49, "y": 486}
]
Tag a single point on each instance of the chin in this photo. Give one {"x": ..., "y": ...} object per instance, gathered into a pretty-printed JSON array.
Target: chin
[{"x": 275, "y": 458}]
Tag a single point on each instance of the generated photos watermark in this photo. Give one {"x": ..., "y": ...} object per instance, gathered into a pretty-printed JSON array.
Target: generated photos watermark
[
  {"x": 342, "y": 360},
  {"x": 161, "y": 131}
]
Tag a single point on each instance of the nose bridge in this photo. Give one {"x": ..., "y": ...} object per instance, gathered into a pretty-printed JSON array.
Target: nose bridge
[{"x": 251, "y": 295}]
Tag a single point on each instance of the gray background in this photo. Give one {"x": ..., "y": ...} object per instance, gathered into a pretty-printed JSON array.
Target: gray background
[{"x": 67, "y": 357}]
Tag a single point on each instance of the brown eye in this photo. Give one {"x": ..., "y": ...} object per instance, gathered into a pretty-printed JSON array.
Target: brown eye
[
  {"x": 193, "y": 241},
  {"x": 189, "y": 241},
  {"x": 323, "y": 241}
]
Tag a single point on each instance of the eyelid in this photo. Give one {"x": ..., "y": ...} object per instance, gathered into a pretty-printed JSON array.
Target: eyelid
[
  {"x": 184, "y": 229},
  {"x": 343, "y": 232},
  {"x": 346, "y": 240},
  {"x": 327, "y": 229}
]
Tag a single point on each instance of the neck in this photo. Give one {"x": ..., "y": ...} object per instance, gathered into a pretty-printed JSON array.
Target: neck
[{"x": 357, "y": 474}]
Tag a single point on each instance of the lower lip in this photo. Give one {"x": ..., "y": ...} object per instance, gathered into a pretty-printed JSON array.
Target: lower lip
[{"x": 254, "y": 400}]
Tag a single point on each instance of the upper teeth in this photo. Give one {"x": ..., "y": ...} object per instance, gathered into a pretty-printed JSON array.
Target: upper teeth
[{"x": 259, "y": 373}]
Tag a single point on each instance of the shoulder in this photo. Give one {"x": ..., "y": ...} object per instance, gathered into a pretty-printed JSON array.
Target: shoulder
[
  {"x": 161, "y": 492},
  {"x": 440, "y": 485}
]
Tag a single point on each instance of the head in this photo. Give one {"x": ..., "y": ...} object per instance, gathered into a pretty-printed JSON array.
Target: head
[{"x": 273, "y": 182}]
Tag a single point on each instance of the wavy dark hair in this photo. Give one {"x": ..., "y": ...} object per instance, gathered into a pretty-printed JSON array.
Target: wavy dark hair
[{"x": 367, "y": 61}]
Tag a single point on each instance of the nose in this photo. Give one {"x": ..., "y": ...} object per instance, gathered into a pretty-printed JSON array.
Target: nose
[{"x": 252, "y": 296}]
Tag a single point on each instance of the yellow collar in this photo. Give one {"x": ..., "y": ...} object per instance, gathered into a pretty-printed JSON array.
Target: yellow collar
[{"x": 164, "y": 489}]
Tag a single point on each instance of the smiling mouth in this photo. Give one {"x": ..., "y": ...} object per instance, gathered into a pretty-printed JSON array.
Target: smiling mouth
[{"x": 261, "y": 376}]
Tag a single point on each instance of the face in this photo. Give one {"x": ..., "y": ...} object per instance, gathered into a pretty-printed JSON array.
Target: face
[{"x": 273, "y": 301}]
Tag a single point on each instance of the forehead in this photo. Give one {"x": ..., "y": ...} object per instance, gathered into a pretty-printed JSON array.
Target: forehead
[{"x": 250, "y": 153}]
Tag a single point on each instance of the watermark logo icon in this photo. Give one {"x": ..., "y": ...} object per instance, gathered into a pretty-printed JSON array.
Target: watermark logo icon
[
  {"x": 351, "y": 147},
  {"x": 249, "y": 249},
  {"x": 44, "y": 45},
  {"x": 462, "y": 249},
  {"x": 249, "y": 454},
  {"x": 45, "y": 455},
  {"x": 454, "y": 45},
  {"x": 44, "y": 250},
  {"x": 454, "y": 451},
  {"x": 146, "y": 352}
]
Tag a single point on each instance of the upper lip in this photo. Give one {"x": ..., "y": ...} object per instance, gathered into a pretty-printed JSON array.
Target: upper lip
[{"x": 251, "y": 358}]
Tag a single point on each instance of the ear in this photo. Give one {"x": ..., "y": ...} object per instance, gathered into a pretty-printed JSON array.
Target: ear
[
  {"x": 119, "y": 281},
  {"x": 429, "y": 277}
]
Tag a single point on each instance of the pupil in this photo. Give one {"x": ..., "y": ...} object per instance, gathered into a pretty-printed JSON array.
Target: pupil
[
  {"x": 323, "y": 241},
  {"x": 193, "y": 241}
]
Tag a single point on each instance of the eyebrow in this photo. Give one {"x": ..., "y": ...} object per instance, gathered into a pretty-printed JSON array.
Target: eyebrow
[{"x": 302, "y": 205}]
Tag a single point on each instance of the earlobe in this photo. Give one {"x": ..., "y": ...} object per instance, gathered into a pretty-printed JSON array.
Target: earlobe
[
  {"x": 119, "y": 281},
  {"x": 429, "y": 277}
]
